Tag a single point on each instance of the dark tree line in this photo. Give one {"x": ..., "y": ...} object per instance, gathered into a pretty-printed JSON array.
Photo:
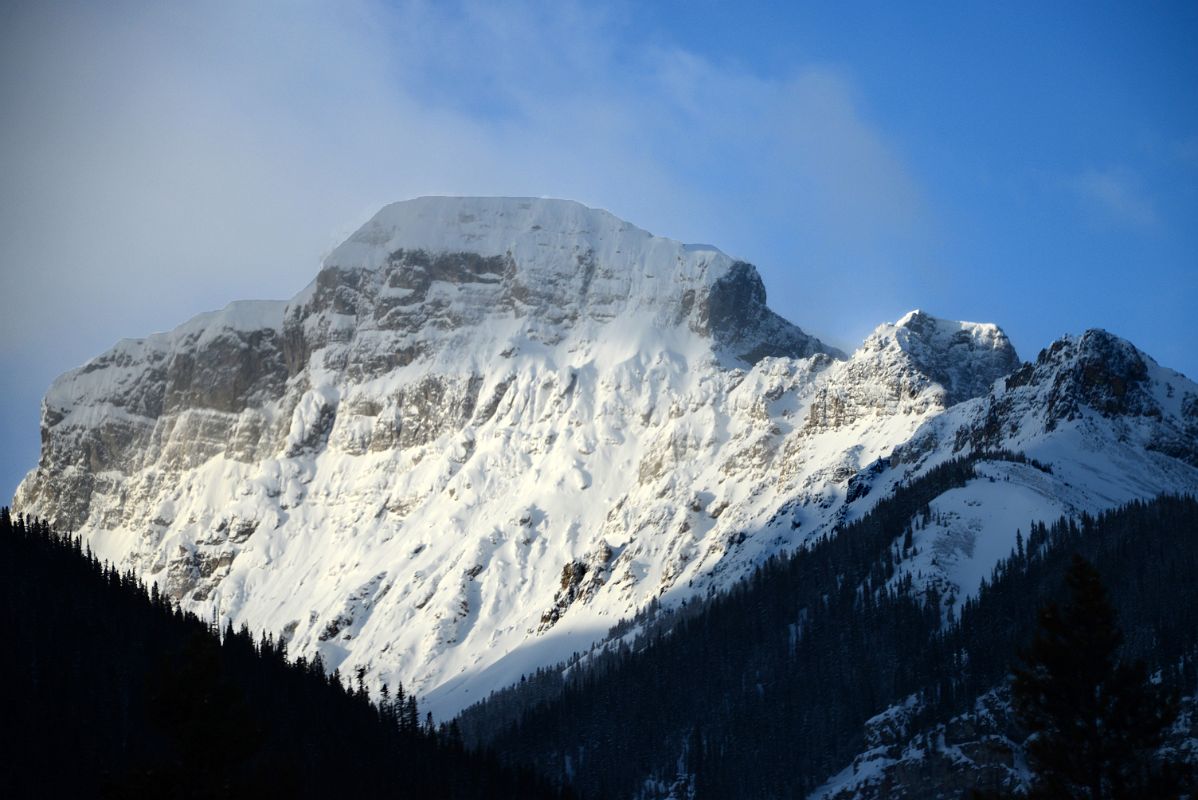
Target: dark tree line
[
  {"x": 762, "y": 691},
  {"x": 1097, "y": 723},
  {"x": 112, "y": 690},
  {"x": 1147, "y": 556}
]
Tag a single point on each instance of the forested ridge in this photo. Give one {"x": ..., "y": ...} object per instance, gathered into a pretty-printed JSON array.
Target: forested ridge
[
  {"x": 762, "y": 692},
  {"x": 112, "y": 690}
]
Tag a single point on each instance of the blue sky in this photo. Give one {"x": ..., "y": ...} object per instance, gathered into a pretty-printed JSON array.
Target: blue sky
[{"x": 1034, "y": 165}]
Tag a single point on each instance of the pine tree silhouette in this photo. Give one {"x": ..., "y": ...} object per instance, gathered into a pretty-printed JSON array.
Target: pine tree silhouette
[{"x": 1095, "y": 723}]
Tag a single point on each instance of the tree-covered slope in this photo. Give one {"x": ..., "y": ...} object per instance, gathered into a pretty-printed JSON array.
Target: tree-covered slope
[
  {"x": 111, "y": 690},
  {"x": 764, "y": 691}
]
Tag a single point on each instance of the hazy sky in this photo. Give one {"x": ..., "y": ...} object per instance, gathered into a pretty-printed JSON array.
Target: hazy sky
[{"x": 1009, "y": 163}]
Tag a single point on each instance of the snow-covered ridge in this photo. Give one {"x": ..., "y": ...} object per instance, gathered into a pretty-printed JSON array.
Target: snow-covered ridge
[
  {"x": 1108, "y": 423},
  {"x": 490, "y": 428},
  {"x": 527, "y": 228},
  {"x": 107, "y": 378}
]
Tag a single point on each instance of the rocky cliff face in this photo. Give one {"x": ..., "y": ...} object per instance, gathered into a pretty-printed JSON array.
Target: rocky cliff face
[
  {"x": 982, "y": 749},
  {"x": 490, "y": 428}
]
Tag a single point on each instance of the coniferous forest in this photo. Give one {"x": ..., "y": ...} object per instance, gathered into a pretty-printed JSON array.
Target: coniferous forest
[
  {"x": 114, "y": 691},
  {"x": 781, "y": 672},
  {"x": 111, "y": 690}
]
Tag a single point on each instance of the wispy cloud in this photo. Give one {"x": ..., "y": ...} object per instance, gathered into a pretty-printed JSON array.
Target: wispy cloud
[
  {"x": 800, "y": 143},
  {"x": 1117, "y": 195},
  {"x": 197, "y": 154}
]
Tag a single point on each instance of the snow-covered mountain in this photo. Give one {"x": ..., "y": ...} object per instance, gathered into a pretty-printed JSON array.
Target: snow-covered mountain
[
  {"x": 1103, "y": 424},
  {"x": 491, "y": 428}
]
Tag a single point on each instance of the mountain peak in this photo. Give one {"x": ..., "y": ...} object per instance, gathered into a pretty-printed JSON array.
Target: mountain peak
[
  {"x": 492, "y": 226},
  {"x": 1097, "y": 381},
  {"x": 506, "y": 270},
  {"x": 963, "y": 357},
  {"x": 945, "y": 332},
  {"x": 1096, "y": 369}
]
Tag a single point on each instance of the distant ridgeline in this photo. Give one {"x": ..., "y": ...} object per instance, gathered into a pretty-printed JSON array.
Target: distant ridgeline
[
  {"x": 764, "y": 690},
  {"x": 109, "y": 689}
]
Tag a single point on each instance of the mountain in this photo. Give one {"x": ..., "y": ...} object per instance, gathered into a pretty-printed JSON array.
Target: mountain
[
  {"x": 1109, "y": 424},
  {"x": 492, "y": 428}
]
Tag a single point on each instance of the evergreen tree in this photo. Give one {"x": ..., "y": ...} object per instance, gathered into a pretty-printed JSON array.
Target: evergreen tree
[
  {"x": 412, "y": 716},
  {"x": 1095, "y": 723},
  {"x": 386, "y": 710}
]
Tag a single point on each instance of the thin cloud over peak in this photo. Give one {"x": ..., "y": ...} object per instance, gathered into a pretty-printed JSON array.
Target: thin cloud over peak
[
  {"x": 220, "y": 147},
  {"x": 1117, "y": 195}
]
